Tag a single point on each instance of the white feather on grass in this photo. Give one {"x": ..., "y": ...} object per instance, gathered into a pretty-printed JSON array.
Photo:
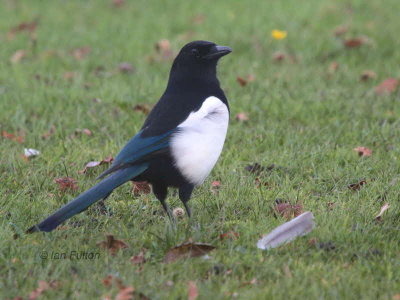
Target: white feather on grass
[{"x": 288, "y": 231}]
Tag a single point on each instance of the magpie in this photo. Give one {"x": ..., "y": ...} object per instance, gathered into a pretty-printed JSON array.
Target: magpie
[{"x": 179, "y": 142}]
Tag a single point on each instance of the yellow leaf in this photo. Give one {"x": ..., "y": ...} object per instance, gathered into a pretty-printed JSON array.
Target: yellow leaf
[{"x": 278, "y": 34}]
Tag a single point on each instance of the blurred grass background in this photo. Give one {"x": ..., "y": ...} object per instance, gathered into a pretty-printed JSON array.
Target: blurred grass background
[{"x": 305, "y": 116}]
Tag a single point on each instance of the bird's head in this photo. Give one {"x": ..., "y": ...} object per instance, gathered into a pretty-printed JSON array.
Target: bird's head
[
  {"x": 198, "y": 59},
  {"x": 202, "y": 52}
]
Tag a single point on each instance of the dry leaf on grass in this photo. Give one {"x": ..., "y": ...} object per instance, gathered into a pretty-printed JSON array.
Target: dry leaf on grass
[
  {"x": 93, "y": 164},
  {"x": 42, "y": 287},
  {"x": 125, "y": 67},
  {"x": 144, "y": 108},
  {"x": 363, "y": 151},
  {"x": 112, "y": 244},
  {"x": 81, "y": 52},
  {"x": 354, "y": 42},
  {"x": 118, "y": 3},
  {"x": 18, "y": 56},
  {"x": 107, "y": 281},
  {"x": 66, "y": 183},
  {"x": 257, "y": 169},
  {"x": 243, "y": 81},
  {"x": 229, "y": 235},
  {"x": 387, "y": 86},
  {"x": 367, "y": 75},
  {"x": 384, "y": 208},
  {"x": 125, "y": 293},
  {"x": 85, "y": 131},
  {"x": 215, "y": 186},
  {"x": 288, "y": 210},
  {"x": 198, "y": 19},
  {"x": 278, "y": 56},
  {"x": 49, "y": 133},
  {"x": 140, "y": 188},
  {"x": 333, "y": 67},
  {"x": 140, "y": 258},
  {"x": 396, "y": 297},
  {"x": 357, "y": 186},
  {"x": 163, "y": 48},
  {"x": 29, "y": 27},
  {"x": 242, "y": 117},
  {"x": 288, "y": 231},
  {"x": 340, "y": 30},
  {"x": 12, "y": 137},
  {"x": 187, "y": 250},
  {"x": 193, "y": 292}
]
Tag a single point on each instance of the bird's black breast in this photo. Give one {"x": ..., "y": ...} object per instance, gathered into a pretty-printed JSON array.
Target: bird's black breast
[{"x": 175, "y": 106}]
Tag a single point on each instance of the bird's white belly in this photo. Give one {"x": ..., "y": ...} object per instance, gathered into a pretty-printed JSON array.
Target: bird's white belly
[{"x": 198, "y": 143}]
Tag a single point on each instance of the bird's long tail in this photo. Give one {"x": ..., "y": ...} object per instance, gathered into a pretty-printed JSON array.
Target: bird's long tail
[{"x": 84, "y": 200}]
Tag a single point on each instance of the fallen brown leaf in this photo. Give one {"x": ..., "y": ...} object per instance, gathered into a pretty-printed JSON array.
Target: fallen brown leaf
[
  {"x": 66, "y": 183},
  {"x": 140, "y": 187},
  {"x": 163, "y": 47},
  {"x": 367, "y": 75},
  {"x": 81, "y": 52},
  {"x": 107, "y": 281},
  {"x": 187, "y": 250},
  {"x": 260, "y": 183},
  {"x": 85, "y": 131},
  {"x": 363, "y": 151},
  {"x": 29, "y": 27},
  {"x": 242, "y": 117},
  {"x": 193, "y": 292},
  {"x": 255, "y": 168},
  {"x": 384, "y": 208},
  {"x": 69, "y": 75},
  {"x": 125, "y": 293},
  {"x": 289, "y": 211},
  {"x": 229, "y": 235},
  {"x": 357, "y": 186},
  {"x": 10, "y": 136},
  {"x": 242, "y": 81},
  {"x": 278, "y": 56},
  {"x": 333, "y": 67},
  {"x": 125, "y": 67},
  {"x": 198, "y": 19},
  {"x": 118, "y": 3},
  {"x": 112, "y": 244},
  {"x": 93, "y": 164},
  {"x": 340, "y": 30},
  {"x": 140, "y": 258},
  {"x": 396, "y": 297},
  {"x": 387, "y": 86},
  {"x": 49, "y": 133},
  {"x": 18, "y": 56},
  {"x": 251, "y": 282},
  {"x": 42, "y": 287},
  {"x": 215, "y": 186},
  {"x": 144, "y": 108},
  {"x": 354, "y": 42}
]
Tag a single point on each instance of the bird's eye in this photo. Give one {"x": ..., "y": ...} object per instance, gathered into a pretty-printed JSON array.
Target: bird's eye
[{"x": 196, "y": 52}]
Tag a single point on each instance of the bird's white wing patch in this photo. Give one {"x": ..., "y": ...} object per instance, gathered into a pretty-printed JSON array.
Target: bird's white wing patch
[{"x": 200, "y": 139}]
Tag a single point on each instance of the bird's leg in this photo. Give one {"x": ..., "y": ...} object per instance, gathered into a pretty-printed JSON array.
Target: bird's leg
[
  {"x": 184, "y": 195},
  {"x": 102, "y": 207},
  {"x": 161, "y": 192}
]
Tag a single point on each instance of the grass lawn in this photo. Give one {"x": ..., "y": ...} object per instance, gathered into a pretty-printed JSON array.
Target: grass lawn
[{"x": 306, "y": 113}]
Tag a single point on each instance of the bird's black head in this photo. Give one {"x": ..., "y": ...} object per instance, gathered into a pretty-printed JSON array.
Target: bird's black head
[
  {"x": 202, "y": 52},
  {"x": 198, "y": 59}
]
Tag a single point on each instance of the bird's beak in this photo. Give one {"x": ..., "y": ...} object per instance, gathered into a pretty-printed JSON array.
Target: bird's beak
[{"x": 217, "y": 52}]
